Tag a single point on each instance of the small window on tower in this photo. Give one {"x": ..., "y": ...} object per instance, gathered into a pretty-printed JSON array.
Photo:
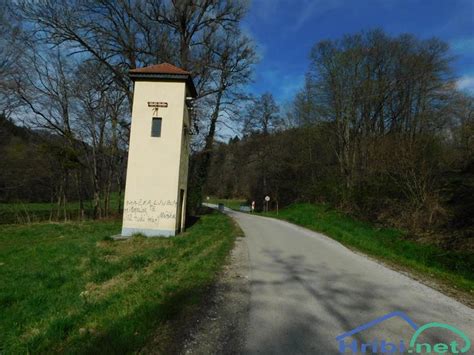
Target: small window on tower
[{"x": 156, "y": 127}]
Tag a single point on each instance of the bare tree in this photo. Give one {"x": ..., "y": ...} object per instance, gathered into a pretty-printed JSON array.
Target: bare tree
[
  {"x": 44, "y": 87},
  {"x": 231, "y": 70},
  {"x": 201, "y": 36},
  {"x": 262, "y": 116},
  {"x": 101, "y": 106},
  {"x": 126, "y": 34},
  {"x": 370, "y": 85},
  {"x": 11, "y": 51},
  {"x": 111, "y": 32}
]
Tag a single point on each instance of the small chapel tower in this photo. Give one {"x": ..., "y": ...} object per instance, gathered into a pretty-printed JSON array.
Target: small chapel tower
[{"x": 157, "y": 172}]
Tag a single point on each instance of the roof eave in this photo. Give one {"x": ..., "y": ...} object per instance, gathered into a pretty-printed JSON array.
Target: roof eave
[{"x": 166, "y": 77}]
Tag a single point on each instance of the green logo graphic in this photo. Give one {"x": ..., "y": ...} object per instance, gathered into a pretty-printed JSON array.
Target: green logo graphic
[{"x": 439, "y": 348}]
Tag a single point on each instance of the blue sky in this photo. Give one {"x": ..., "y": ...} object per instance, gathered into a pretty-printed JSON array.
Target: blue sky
[{"x": 285, "y": 31}]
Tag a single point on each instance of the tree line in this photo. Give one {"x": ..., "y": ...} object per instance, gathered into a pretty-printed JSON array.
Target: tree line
[{"x": 379, "y": 130}]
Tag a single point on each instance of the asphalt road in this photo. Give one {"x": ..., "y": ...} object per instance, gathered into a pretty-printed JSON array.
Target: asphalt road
[{"x": 306, "y": 289}]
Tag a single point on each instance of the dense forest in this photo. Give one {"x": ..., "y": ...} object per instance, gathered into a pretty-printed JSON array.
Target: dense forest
[{"x": 379, "y": 130}]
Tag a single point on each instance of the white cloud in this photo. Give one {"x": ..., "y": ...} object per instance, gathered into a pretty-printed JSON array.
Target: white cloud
[{"x": 466, "y": 83}]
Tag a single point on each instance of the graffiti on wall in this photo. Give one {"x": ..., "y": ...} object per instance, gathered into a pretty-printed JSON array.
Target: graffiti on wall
[{"x": 149, "y": 211}]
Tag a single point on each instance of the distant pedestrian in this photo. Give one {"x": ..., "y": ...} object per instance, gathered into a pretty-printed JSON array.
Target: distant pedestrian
[{"x": 253, "y": 206}]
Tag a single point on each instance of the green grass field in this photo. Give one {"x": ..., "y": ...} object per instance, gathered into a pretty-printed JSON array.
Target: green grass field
[
  {"x": 233, "y": 204},
  {"x": 27, "y": 212},
  {"x": 32, "y": 211},
  {"x": 454, "y": 268},
  {"x": 67, "y": 287}
]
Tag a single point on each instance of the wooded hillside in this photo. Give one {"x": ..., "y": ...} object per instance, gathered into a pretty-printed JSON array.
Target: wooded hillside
[{"x": 379, "y": 130}]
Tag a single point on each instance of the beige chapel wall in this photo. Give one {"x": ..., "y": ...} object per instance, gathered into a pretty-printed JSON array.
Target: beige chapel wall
[{"x": 153, "y": 172}]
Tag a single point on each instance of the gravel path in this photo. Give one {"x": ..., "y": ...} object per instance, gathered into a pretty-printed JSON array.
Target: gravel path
[{"x": 221, "y": 329}]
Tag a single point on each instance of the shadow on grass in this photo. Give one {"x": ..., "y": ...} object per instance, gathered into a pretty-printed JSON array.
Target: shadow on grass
[
  {"x": 127, "y": 334},
  {"x": 191, "y": 221},
  {"x": 203, "y": 210}
]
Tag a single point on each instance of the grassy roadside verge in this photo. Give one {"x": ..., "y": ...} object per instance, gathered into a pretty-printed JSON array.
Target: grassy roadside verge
[
  {"x": 456, "y": 269},
  {"x": 69, "y": 288}
]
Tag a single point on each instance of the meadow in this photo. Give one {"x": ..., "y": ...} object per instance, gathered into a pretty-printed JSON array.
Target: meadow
[
  {"x": 28, "y": 212},
  {"x": 68, "y": 287}
]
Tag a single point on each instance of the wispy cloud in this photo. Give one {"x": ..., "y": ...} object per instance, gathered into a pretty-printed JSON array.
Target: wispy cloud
[
  {"x": 283, "y": 85},
  {"x": 266, "y": 10},
  {"x": 466, "y": 83},
  {"x": 290, "y": 87},
  {"x": 463, "y": 45},
  {"x": 311, "y": 8},
  {"x": 297, "y": 13},
  {"x": 306, "y": 12}
]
